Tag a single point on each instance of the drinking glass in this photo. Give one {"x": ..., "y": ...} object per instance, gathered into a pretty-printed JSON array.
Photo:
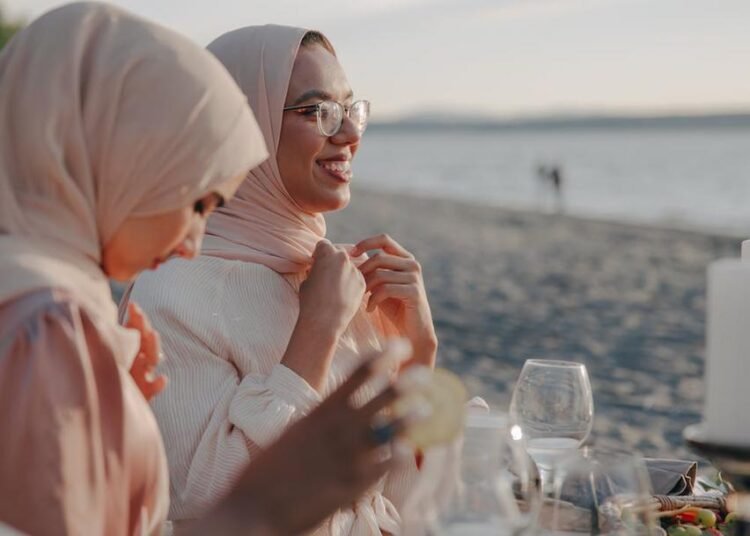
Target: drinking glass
[
  {"x": 493, "y": 489},
  {"x": 600, "y": 492},
  {"x": 553, "y": 405}
]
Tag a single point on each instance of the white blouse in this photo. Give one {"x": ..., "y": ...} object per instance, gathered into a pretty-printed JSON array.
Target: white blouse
[{"x": 225, "y": 325}]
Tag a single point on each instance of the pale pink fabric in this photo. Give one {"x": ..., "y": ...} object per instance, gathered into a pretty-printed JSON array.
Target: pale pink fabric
[
  {"x": 81, "y": 452},
  {"x": 104, "y": 116},
  {"x": 263, "y": 223}
]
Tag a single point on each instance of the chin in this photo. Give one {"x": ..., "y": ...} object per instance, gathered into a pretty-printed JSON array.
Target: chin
[
  {"x": 121, "y": 274},
  {"x": 331, "y": 201}
]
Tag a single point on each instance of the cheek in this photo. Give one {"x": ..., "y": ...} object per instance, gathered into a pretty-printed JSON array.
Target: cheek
[
  {"x": 179, "y": 228},
  {"x": 299, "y": 147}
]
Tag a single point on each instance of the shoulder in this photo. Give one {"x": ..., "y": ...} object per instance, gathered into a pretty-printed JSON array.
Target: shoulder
[
  {"x": 56, "y": 344},
  {"x": 44, "y": 310},
  {"x": 210, "y": 280}
]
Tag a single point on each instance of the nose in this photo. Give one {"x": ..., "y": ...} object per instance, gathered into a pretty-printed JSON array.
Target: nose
[
  {"x": 190, "y": 247},
  {"x": 348, "y": 134}
]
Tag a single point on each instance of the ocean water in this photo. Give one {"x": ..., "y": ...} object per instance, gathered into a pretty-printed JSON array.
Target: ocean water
[{"x": 692, "y": 178}]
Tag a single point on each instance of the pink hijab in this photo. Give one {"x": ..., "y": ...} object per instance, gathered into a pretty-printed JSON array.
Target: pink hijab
[
  {"x": 263, "y": 224},
  {"x": 106, "y": 116}
]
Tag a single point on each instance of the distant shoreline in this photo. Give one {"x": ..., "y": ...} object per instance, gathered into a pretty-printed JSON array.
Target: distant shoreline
[
  {"x": 707, "y": 121},
  {"x": 668, "y": 225}
]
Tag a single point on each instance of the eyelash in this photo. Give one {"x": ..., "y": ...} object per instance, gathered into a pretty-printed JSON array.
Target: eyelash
[{"x": 200, "y": 207}]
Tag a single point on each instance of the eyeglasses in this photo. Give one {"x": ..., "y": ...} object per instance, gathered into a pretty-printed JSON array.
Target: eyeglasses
[{"x": 330, "y": 115}]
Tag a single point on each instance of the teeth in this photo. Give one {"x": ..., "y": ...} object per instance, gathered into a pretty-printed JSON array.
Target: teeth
[{"x": 336, "y": 167}]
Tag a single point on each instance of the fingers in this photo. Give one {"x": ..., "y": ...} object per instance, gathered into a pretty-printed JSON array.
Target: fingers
[
  {"x": 151, "y": 344},
  {"x": 142, "y": 371},
  {"x": 388, "y": 291},
  {"x": 389, "y": 262},
  {"x": 382, "y": 277},
  {"x": 394, "y": 353},
  {"x": 155, "y": 387},
  {"x": 382, "y": 431},
  {"x": 387, "y": 397},
  {"x": 322, "y": 248},
  {"x": 384, "y": 242},
  {"x": 136, "y": 318}
]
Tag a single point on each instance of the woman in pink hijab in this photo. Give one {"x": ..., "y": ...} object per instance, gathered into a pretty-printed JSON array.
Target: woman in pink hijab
[
  {"x": 272, "y": 317},
  {"x": 119, "y": 138}
]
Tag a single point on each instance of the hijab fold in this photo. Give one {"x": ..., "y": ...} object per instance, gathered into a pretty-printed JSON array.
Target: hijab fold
[{"x": 263, "y": 224}]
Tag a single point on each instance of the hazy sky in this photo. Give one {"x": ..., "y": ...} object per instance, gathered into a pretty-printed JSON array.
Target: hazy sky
[{"x": 504, "y": 57}]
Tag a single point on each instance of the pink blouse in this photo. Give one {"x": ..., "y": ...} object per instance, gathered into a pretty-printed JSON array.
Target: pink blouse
[{"x": 81, "y": 452}]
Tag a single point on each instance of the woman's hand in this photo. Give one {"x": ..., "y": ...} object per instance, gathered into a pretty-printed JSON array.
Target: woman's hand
[
  {"x": 333, "y": 290},
  {"x": 144, "y": 366},
  {"x": 394, "y": 279},
  {"x": 328, "y": 300},
  {"x": 322, "y": 463}
]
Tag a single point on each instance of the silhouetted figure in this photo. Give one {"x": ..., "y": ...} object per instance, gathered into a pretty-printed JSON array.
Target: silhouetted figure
[{"x": 552, "y": 180}]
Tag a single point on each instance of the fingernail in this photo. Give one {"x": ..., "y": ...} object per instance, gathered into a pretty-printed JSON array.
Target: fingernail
[
  {"x": 395, "y": 351},
  {"x": 399, "y": 348},
  {"x": 418, "y": 411},
  {"x": 413, "y": 378}
]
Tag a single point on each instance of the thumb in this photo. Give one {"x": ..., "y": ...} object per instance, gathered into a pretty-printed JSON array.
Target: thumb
[{"x": 322, "y": 247}]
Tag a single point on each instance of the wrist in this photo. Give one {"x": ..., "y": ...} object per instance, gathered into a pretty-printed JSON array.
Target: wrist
[
  {"x": 310, "y": 351},
  {"x": 320, "y": 324},
  {"x": 425, "y": 349}
]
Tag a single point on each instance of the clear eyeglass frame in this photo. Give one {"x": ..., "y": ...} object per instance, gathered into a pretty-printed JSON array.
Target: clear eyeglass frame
[{"x": 330, "y": 115}]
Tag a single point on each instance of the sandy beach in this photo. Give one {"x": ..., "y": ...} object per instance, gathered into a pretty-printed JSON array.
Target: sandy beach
[{"x": 628, "y": 301}]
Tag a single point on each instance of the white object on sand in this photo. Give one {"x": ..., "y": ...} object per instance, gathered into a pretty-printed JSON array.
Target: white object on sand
[
  {"x": 746, "y": 250},
  {"x": 726, "y": 414}
]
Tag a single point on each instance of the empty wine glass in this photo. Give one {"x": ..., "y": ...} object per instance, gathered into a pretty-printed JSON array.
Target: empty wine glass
[
  {"x": 493, "y": 489},
  {"x": 553, "y": 405},
  {"x": 600, "y": 492}
]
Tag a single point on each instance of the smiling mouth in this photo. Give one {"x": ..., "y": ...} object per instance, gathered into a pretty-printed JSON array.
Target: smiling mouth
[{"x": 341, "y": 170}]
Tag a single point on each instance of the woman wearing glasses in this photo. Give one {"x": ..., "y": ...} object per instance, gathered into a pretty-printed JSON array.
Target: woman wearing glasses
[{"x": 272, "y": 317}]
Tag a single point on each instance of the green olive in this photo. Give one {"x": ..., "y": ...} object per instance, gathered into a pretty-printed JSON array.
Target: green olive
[
  {"x": 677, "y": 530},
  {"x": 706, "y": 518}
]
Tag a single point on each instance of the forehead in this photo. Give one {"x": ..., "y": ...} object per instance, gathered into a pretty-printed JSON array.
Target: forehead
[{"x": 315, "y": 68}]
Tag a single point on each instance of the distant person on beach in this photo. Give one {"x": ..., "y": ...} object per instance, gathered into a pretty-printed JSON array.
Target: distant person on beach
[
  {"x": 551, "y": 180},
  {"x": 125, "y": 136},
  {"x": 272, "y": 317}
]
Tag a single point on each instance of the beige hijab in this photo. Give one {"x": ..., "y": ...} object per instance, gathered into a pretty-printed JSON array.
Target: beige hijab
[
  {"x": 105, "y": 116},
  {"x": 263, "y": 224}
]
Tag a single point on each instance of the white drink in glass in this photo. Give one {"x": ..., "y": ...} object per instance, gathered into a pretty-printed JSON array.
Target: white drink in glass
[{"x": 547, "y": 451}]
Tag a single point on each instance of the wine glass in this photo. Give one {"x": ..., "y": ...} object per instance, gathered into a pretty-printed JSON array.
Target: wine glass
[
  {"x": 493, "y": 489},
  {"x": 600, "y": 492},
  {"x": 553, "y": 405}
]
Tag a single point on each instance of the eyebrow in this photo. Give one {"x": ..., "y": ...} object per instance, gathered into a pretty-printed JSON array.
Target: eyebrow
[{"x": 319, "y": 94}]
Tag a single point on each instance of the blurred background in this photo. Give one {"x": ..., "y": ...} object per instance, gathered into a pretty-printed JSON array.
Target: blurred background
[{"x": 565, "y": 170}]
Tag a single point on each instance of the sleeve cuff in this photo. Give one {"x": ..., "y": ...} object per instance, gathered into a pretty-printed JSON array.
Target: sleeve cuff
[{"x": 289, "y": 386}]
